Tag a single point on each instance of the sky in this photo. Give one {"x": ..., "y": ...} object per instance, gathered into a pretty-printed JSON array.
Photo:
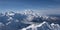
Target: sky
[{"x": 17, "y": 5}]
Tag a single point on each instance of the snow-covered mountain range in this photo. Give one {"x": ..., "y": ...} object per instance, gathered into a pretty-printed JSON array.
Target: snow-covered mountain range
[
  {"x": 43, "y": 26},
  {"x": 28, "y": 20}
]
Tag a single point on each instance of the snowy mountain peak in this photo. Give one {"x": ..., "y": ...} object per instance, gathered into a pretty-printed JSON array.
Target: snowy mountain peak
[
  {"x": 28, "y": 12},
  {"x": 10, "y": 13},
  {"x": 34, "y": 26}
]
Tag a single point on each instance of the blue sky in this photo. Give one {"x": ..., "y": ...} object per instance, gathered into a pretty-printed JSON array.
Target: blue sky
[{"x": 6, "y": 5}]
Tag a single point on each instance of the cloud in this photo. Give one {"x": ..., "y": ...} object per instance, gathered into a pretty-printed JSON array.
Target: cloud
[{"x": 49, "y": 12}]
